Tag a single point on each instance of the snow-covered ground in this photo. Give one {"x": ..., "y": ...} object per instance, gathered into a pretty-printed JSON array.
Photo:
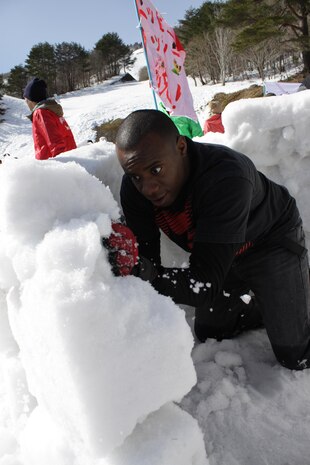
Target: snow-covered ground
[{"x": 98, "y": 370}]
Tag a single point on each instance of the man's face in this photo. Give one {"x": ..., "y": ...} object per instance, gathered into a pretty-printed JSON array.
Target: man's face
[
  {"x": 158, "y": 167},
  {"x": 30, "y": 104}
]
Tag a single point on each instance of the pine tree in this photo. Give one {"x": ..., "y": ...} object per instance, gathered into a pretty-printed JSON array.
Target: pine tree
[
  {"x": 254, "y": 20},
  {"x": 2, "y": 109},
  {"x": 41, "y": 62},
  {"x": 296, "y": 20},
  {"x": 260, "y": 21},
  {"x": 198, "y": 21},
  {"x": 112, "y": 50},
  {"x": 72, "y": 65},
  {"x": 17, "y": 81}
]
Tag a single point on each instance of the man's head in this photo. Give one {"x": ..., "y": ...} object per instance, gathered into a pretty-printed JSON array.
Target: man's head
[
  {"x": 154, "y": 155},
  {"x": 35, "y": 91}
]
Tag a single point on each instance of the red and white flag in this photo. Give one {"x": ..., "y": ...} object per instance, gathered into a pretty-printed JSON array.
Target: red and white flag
[{"x": 166, "y": 61}]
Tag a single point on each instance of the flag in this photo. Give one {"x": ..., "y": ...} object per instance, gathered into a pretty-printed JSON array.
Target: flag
[{"x": 166, "y": 58}]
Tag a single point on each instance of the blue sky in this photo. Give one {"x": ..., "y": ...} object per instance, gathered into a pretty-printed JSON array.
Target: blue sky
[{"x": 26, "y": 23}]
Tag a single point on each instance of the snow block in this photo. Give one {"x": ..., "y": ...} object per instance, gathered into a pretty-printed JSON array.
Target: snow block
[{"x": 101, "y": 357}]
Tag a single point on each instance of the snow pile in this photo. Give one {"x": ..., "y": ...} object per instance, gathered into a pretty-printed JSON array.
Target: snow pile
[
  {"x": 274, "y": 133},
  {"x": 100, "y": 353},
  {"x": 99, "y": 160},
  {"x": 252, "y": 410}
]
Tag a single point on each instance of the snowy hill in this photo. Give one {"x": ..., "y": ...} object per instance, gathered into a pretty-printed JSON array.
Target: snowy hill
[
  {"x": 100, "y": 370},
  {"x": 139, "y": 63}
]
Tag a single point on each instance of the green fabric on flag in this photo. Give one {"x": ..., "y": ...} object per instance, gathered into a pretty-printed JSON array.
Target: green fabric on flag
[{"x": 186, "y": 126}]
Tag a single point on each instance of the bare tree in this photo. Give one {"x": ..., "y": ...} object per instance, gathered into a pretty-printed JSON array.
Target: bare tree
[
  {"x": 261, "y": 54},
  {"x": 195, "y": 52},
  {"x": 222, "y": 49},
  {"x": 200, "y": 60}
]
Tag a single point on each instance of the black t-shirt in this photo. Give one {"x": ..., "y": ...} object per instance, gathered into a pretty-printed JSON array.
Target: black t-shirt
[{"x": 225, "y": 207}]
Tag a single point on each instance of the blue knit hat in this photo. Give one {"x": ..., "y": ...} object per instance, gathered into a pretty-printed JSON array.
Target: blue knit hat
[{"x": 36, "y": 90}]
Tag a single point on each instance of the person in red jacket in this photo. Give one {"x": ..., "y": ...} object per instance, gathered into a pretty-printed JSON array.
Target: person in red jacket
[
  {"x": 51, "y": 132},
  {"x": 214, "y": 123}
]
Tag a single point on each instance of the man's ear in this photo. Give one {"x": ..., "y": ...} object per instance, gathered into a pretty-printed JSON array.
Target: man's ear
[{"x": 182, "y": 145}]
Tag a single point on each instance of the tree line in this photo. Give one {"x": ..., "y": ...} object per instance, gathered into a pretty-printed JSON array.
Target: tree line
[
  {"x": 229, "y": 38},
  {"x": 222, "y": 39},
  {"x": 68, "y": 66}
]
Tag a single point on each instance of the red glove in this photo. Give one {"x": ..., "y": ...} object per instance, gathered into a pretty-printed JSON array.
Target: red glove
[{"x": 123, "y": 249}]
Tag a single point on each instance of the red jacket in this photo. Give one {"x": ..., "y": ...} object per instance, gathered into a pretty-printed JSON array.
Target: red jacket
[
  {"x": 51, "y": 133},
  {"x": 214, "y": 124}
]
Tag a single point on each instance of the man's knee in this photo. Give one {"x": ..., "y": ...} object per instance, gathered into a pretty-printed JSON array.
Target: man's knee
[
  {"x": 228, "y": 322},
  {"x": 293, "y": 358}
]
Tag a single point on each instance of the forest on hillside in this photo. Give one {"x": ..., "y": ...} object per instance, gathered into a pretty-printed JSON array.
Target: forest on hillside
[{"x": 223, "y": 40}]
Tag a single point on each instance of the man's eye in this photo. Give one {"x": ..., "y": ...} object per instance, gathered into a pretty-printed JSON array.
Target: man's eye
[{"x": 156, "y": 170}]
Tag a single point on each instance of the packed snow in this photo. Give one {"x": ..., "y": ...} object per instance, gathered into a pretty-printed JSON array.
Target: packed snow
[{"x": 99, "y": 370}]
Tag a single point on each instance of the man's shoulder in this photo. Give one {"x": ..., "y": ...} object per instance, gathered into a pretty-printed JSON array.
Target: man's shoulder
[
  {"x": 44, "y": 112},
  {"x": 214, "y": 159},
  {"x": 216, "y": 150},
  {"x": 49, "y": 107}
]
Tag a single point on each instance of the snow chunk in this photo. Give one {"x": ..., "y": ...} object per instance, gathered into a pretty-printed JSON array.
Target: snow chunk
[{"x": 227, "y": 359}]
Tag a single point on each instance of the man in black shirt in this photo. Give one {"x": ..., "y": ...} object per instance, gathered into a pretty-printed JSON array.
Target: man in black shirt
[{"x": 243, "y": 231}]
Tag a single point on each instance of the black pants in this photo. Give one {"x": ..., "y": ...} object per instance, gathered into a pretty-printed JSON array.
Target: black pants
[{"x": 278, "y": 276}]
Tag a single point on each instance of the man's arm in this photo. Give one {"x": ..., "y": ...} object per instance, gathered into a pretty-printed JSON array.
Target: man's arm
[
  {"x": 140, "y": 219},
  {"x": 200, "y": 283}
]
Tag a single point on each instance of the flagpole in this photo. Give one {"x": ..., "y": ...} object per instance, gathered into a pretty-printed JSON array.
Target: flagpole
[{"x": 146, "y": 57}]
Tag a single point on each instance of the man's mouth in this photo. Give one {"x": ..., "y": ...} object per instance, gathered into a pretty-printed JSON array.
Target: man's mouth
[{"x": 158, "y": 201}]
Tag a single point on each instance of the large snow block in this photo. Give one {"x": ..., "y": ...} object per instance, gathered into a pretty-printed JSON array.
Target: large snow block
[{"x": 101, "y": 358}]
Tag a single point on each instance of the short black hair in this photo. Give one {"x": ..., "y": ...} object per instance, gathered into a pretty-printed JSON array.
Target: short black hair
[{"x": 141, "y": 123}]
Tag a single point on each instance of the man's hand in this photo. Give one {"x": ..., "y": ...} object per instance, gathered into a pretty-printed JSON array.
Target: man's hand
[
  {"x": 123, "y": 249},
  {"x": 145, "y": 270},
  {"x": 124, "y": 257}
]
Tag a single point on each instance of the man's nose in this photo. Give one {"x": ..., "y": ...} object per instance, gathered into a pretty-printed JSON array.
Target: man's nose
[{"x": 149, "y": 188}]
